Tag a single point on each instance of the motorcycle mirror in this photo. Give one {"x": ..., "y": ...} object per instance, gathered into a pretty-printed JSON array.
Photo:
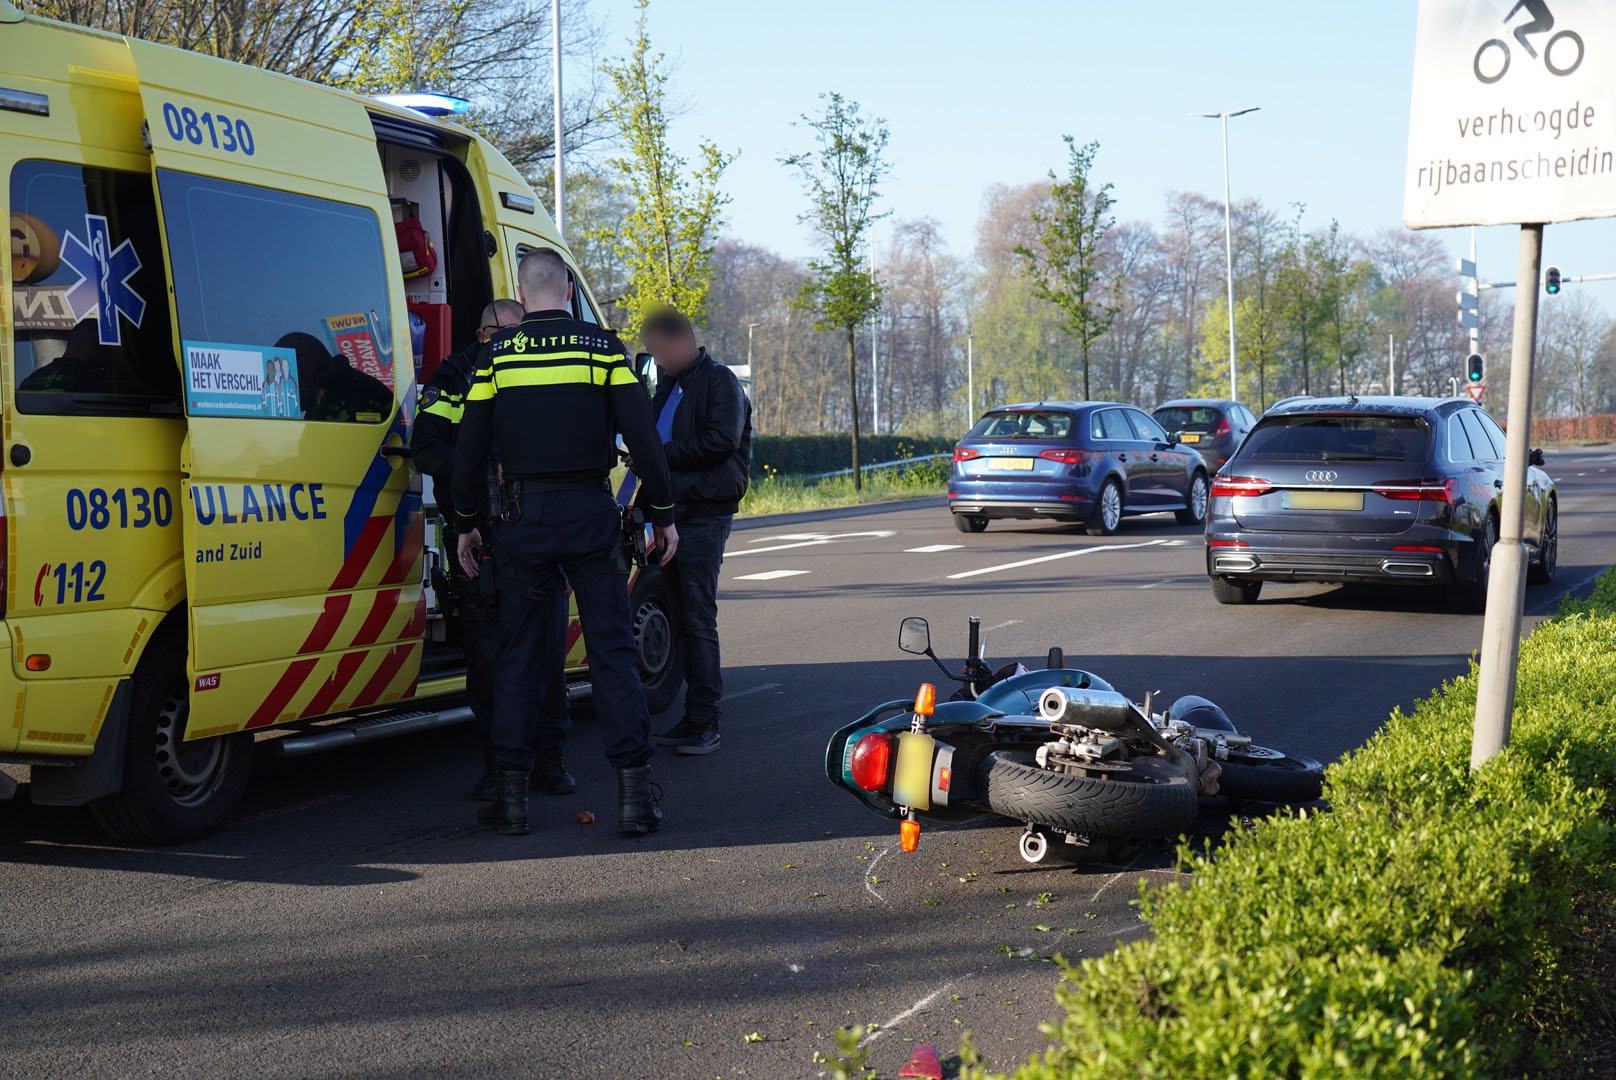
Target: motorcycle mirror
[{"x": 914, "y": 636}]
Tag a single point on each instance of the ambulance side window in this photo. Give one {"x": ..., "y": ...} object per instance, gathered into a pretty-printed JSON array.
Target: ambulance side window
[
  {"x": 88, "y": 296},
  {"x": 283, "y": 302},
  {"x": 580, "y": 303}
]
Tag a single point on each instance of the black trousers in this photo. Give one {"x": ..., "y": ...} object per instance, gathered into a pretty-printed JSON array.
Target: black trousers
[
  {"x": 693, "y": 592},
  {"x": 571, "y": 533}
]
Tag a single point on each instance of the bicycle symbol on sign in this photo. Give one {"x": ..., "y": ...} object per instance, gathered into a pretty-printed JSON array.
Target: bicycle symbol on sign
[{"x": 1541, "y": 23}]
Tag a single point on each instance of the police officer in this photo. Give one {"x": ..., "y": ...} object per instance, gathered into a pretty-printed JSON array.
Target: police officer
[
  {"x": 552, "y": 392},
  {"x": 436, "y": 424}
]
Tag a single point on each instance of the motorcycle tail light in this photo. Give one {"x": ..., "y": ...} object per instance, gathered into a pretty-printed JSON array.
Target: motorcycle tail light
[
  {"x": 1065, "y": 457},
  {"x": 909, "y": 834},
  {"x": 1446, "y": 491},
  {"x": 872, "y": 761},
  {"x": 965, "y": 453},
  {"x": 1223, "y": 486}
]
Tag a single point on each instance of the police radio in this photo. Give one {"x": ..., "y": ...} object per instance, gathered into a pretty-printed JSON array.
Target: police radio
[
  {"x": 632, "y": 550},
  {"x": 503, "y": 504}
]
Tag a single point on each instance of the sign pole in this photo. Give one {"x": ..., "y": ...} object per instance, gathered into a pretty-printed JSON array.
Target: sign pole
[{"x": 1506, "y": 588}]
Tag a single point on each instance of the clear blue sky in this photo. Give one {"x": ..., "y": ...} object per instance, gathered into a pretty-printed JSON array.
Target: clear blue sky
[{"x": 976, "y": 93}]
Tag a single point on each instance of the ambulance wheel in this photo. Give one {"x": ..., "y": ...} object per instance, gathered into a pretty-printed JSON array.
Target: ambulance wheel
[
  {"x": 172, "y": 790},
  {"x": 661, "y": 653}
]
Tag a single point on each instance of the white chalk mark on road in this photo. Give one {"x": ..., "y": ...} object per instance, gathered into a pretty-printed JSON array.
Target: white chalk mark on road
[
  {"x": 1058, "y": 555},
  {"x": 752, "y": 690},
  {"x": 802, "y": 540},
  {"x": 772, "y": 575},
  {"x": 918, "y": 1007},
  {"x": 1112, "y": 880},
  {"x": 932, "y": 549},
  {"x": 1004, "y": 625},
  {"x": 869, "y": 875}
]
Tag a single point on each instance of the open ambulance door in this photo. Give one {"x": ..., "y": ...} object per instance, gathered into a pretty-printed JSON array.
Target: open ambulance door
[{"x": 301, "y": 516}]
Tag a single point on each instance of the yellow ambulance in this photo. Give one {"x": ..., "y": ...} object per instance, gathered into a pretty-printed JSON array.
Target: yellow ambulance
[{"x": 225, "y": 286}]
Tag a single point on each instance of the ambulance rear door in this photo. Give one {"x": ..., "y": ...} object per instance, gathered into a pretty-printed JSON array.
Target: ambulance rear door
[{"x": 301, "y": 517}]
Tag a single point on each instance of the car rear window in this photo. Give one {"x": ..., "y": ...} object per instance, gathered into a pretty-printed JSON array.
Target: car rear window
[
  {"x": 1339, "y": 438},
  {"x": 1189, "y": 417},
  {"x": 1023, "y": 424}
]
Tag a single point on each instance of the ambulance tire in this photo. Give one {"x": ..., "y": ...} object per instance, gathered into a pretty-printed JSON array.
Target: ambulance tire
[
  {"x": 661, "y": 650},
  {"x": 172, "y": 790}
]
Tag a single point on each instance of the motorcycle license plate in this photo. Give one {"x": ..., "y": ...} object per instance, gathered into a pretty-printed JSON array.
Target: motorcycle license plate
[
  {"x": 1013, "y": 464},
  {"x": 911, "y": 781}
]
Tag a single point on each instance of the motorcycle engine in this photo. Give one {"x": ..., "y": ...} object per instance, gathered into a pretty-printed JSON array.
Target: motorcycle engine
[{"x": 1084, "y": 751}]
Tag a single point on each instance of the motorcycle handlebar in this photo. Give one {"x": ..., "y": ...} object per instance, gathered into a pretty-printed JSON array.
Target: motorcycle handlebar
[{"x": 974, "y": 642}]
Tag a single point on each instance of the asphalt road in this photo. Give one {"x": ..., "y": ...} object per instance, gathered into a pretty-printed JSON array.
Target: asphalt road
[{"x": 353, "y": 922}]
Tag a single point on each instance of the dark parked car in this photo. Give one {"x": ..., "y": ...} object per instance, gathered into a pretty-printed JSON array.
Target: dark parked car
[
  {"x": 1391, "y": 489},
  {"x": 1213, "y": 427},
  {"x": 1090, "y": 461}
]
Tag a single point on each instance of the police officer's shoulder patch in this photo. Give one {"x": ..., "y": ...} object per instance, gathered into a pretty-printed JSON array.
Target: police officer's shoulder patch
[{"x": 429, "y": 394}]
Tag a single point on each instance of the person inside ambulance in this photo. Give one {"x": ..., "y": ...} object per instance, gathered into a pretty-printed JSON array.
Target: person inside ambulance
[
  {"x": 476, "y": 604},
  {"x": 85, "y": 367},
  {"x": 329, "y": 388}
]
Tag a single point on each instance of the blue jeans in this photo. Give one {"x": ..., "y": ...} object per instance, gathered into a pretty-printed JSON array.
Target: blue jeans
[{"x": 693, "y": 596}]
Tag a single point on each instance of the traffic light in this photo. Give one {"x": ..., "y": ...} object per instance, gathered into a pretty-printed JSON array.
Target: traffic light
[
  {"x": 1551, "y": 281},
  {"x": 1476, "y": 367}
]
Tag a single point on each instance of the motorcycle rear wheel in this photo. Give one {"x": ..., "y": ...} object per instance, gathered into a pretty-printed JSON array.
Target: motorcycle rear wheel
[
  {"x": 1271, "y": 776},
  {"x": 1087, "y": 805}
]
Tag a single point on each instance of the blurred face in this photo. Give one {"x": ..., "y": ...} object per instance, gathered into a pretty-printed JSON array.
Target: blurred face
[{"x": 673, "y": 352}]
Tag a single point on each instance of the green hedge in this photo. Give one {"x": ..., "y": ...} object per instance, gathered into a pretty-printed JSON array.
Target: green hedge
[
  {"x": 806, "y": 455},
  {"x": 1425, "y": 926}
]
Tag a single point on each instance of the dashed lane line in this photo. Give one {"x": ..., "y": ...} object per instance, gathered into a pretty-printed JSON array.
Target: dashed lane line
[
  {"x": 807, "y": 540},
  {"x": 932, "y": 549},
  {"x": 772, "y": 575},
  {"x": 1059, "y": 555}
]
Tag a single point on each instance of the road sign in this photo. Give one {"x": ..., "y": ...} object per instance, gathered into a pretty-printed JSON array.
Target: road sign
[
  {"x": 1514, "y": 113},
  {"x": 1476, "y": 390}
]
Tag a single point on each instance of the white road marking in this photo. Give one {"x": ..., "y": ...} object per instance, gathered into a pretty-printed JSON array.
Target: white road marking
[
  {"x": 1112, "y": 880},
  {"x": 931, "y": 549},
  {"x": 869, "y": 875},
  {"x": 1006, "y": 623},
  {"x": 917, "y": 1007},
  {"x": 811, "y": 540},
  {"x": 772, "y": 575},
  {"x": 1058, "y": 555},
  {"x": 752, "y": 690}
]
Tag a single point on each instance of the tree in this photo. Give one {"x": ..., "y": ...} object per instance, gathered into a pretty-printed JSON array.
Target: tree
[
  {"x": 1066, "y": 267},
  {"x": 666, "y": 241},
  {"x": 842, "y": 176}
]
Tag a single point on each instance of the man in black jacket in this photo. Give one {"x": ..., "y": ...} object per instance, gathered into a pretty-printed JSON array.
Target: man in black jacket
[{"x": 705, "y": 423}]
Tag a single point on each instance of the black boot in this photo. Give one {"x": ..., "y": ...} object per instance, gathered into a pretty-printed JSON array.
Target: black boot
[
  {"x": 508, "y": 812},
  {"x": 550, "y": 777},
  {"x": 486, "y": 789},
  {"x": 637, "y": 811}
]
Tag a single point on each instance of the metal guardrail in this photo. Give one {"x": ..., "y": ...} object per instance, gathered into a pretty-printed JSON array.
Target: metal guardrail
[{"x": 898, "y": 463}]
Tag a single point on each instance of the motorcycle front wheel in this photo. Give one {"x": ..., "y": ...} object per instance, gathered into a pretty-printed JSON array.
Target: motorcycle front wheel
[
  {"x": 1139, "y": 807},
  {"x": 1260, "y": 774}
]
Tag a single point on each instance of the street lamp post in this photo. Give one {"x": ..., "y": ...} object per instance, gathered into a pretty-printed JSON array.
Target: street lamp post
[
  {"x": 560, "y": 160},
  {"x": 751, "y": 373},
  {"x": 1228, "y": 232}
]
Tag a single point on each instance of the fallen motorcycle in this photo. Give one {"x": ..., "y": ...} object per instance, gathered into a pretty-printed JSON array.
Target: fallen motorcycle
[{"x": 1059, "y": 750}]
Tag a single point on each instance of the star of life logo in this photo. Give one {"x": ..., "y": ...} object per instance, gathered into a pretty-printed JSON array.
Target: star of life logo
[{"x": 103, "y": 288}]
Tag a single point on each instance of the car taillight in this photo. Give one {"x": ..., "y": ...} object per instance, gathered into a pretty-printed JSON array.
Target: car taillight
[
  {"x": 1227, "y": 543},
  {"x": 1223, "y": 427},
  {"x": 1065, "y": 457},
  {"x": 1240, "y": 485},
  {"x": 1420, "y": 490},
  {"x": 872, "y": 761},
  {"x": 962, "y": 453}
]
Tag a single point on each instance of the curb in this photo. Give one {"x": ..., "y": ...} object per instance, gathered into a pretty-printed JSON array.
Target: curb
[{"x": 769, "y": 521}]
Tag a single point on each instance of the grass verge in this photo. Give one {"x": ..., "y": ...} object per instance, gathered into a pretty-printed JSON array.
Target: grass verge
[
  {"x": 777, "y": 494},
  {"x": 1435, "y": 922}
]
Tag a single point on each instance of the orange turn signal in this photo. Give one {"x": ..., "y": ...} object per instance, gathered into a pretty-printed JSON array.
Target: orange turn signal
[
  {"x": 909, "y": 834},
  {"x": 38, "y": 662},
  {"x": 926, "y": 699}
]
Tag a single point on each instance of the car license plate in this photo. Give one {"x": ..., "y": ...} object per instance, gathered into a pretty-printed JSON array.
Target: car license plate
[
  {"x": 1013, "y": 464},
  {"x": 1324, "y": 500},
  {"x": 1189, "y": 436}
]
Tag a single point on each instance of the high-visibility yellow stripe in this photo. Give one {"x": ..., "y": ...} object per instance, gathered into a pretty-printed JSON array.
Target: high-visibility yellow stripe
[
  {"x": 509, "y": 370},
  {"x": 449, "y": 410}
]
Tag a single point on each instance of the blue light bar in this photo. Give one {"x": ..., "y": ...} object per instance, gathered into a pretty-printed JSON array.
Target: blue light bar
[{"x": 430, "y": 104}]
